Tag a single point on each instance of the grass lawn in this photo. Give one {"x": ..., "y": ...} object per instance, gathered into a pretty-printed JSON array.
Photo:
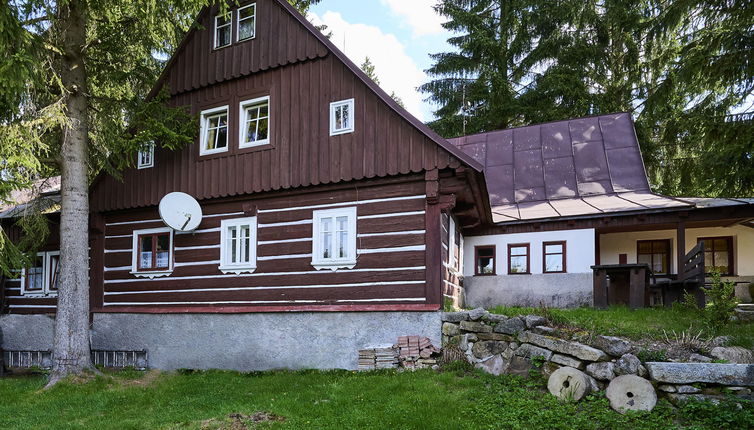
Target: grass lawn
[
  {"x": 638, "y": 324},
  {"x": 331, "y": 400}
]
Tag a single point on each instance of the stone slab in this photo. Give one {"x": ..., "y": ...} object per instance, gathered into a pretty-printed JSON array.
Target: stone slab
[
  {"x": 578, "y": 350},
  {"x": 711, "y": 373}
]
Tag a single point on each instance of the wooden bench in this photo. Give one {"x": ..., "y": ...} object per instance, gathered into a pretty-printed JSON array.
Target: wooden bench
[{"x": 690, "y": 279}]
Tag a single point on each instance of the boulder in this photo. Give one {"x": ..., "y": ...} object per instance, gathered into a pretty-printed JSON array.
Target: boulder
[
  {"x": 475, "y": 326},
  {"x": 722, "y": 340},
  {"x": 496, "y": 318},
  {"x": 520, "y": 366},
  {"x": 698, "y": 358},
  {"x": 494, "y": 366},
  {"x": 614, "y": 346},
  {"x": 733, "y": 354},
  {"x": 667, "y": 388},
  {"x": 534, "y": 321},
  {"x": 568, "y": 384},
  {"x": 565, "y": 360},
  {"x": 494, "y": 336},
  {"x": 477, "y": 314},
  {"x": 628, "y": 364},
  {"x": 450, "y": 329},
  {"x": 510, "y": 326},
  {"x": 544, "y": 330},
  {"x": 530, "y": 351},
  {"x": 631, "y": 393},
  {"x": 710, "y": 373},
  {"x": 601, "y": 371},
  {"x": 454, "y": 317},
  {"x": 486, "y": 349},
  {"x": 687, "y": 389},
  {"x": 578, "y": 350}
]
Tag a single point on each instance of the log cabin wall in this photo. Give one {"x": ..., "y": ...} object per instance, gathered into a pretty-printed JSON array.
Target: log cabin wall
[{"x": 390, "y": 274}]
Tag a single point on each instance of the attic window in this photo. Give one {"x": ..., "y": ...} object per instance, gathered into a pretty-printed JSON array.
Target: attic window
[
  {"x": 214, "y": 131},
  {"x": 247, "y": 22},
  {"x": 146, "y": 157},
  {"x": 223, "y": 30},
  {"x": 341, "y": 117}
]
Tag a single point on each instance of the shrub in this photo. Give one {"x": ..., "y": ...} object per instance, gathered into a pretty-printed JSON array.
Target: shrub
[{"x": 721, "y": 303}]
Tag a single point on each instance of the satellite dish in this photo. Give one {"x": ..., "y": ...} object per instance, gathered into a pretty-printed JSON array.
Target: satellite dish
[{"x": 180, "y": 212}]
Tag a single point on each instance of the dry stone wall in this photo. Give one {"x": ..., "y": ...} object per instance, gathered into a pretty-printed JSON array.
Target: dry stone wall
[{"x": 521, "y": 345}]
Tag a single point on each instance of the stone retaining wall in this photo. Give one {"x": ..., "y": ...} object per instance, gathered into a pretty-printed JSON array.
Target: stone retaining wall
[{"x": 525, "y": 344}]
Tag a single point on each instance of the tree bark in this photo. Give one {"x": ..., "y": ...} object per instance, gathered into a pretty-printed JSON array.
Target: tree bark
[{"x": 71, "y": 351}]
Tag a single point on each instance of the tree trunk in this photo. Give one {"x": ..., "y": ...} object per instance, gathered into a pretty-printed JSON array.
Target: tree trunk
[{"x": 71, "y": 344}]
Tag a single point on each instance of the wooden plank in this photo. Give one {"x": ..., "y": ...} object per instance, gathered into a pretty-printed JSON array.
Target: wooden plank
[
  {"x": 599, "y": 291},
  {"x": 637, "y": 282}
]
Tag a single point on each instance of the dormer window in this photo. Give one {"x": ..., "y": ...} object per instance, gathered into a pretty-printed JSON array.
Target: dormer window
[
  {"x": 223, "y": 30},
  {"x": 255, "y": 122},
  {"x": 214, "y": 131},
  {"x": 146, "y": 157},
  {"x": 341, "y": 117},
  {"x": 247, "y": 22}
]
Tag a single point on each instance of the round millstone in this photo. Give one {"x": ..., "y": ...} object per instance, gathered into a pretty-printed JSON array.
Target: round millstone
[
  {"x": 631, "y": 393},
  {"x": 568, "y": 384}
]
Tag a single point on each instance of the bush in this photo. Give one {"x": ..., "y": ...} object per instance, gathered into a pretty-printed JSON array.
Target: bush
[{"x": 721, "y": 303}]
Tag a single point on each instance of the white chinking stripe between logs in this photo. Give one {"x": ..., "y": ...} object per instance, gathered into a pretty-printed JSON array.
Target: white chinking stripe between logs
[
  {"x": 261, "y": 302},
  {"x": 250, "y": 275},
  {"x": 285, "y": 287},
  {"x": 333, "y": 205},
  {"x": 109, "y": 224}
]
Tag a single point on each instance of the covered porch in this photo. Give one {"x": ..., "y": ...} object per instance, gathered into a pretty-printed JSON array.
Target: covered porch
[{"x": 647, "y": 249}]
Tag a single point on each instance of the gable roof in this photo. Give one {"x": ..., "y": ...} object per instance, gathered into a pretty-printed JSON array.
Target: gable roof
[
  {"x": 583, "y": 166},
  {"x": 296, "y": 42}
]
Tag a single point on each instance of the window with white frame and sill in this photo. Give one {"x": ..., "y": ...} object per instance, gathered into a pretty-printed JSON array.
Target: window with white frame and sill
[
  {"x": 41, "y": 279},
  {"x": 238, "y": 242},
  {"x": 152, "y": 252},
  {"x": 223, "y": 30},
  {"x": 255, "y": 122},
  {"x": 214, "y": 131},
  {"x": 246, "y": 17},
  {"x": 146, "y": 157},
  {"x": 342, "y": 117},
  {"x": 334, "y": 240}
]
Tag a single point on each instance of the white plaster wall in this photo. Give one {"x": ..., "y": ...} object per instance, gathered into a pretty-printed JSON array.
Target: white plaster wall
[
  {"x": 612, "y": 244},
  {"x": 579, "y": 250}
]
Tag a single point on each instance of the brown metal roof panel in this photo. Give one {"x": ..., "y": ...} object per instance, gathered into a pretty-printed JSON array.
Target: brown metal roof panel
[
  {"x": 573, "y": 207},
  {"x": 507, "y": 210},
  {"x": 478, "y": 151},
  {"x": 590, "y": 162},
  {"x": 560, "y": 178},
  {"x": 617, "y": 130},
  {"x": 526, "y": 138},
  {"x": 530, "y": 194},
  {"x": 500, "y": 148},
  {"x": 594, "y": 188},
  {"x": 609, "y": 203},
  {"x": 626, "y": 169},
  {"x": 500, "y": 184},
  {"x": 585, "y": 129},
  {"x": 528, "y": 169},
  {"x": 556, "y": 140},
  {"x": 653, "y": 201}
]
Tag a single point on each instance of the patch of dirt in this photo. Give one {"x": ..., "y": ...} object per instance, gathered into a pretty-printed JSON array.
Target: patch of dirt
[{"x": 237, "y": 421}]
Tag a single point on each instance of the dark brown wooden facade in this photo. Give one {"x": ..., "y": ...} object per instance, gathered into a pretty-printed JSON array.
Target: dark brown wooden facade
[{"x": 401, "y": 177}]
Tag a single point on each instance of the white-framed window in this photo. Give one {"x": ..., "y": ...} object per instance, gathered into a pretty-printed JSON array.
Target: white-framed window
[
  {"x": 452, "y": 258},
  {"x": 342, "y": 117},
  {"x": 255, "y": 122},
  {"x": 214, "y": 131},
  {"x": 238, "y": 245},
  {"x": 247, "y": 17},
  {"x": 145, "y": 158},
  {"x": 334, "y": 238},
  {"x": 152, "y": 252},
  {"x": 223, "y": 30},
  {"x": 41, "y": 279}
]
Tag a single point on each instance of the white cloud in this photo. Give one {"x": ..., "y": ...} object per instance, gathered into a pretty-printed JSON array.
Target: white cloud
[
  {"x": 396, "y": 70},
  {"x": 419, "y": 14}
]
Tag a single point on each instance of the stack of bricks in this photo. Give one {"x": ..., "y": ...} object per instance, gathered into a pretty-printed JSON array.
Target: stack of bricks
[
  {"x": 378, "y": 358},
  {"x": 416, "y": 352}
]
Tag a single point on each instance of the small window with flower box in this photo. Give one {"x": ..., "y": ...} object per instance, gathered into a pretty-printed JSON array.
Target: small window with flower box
[
  {"x": 238, "y": 242},
  {"x": 214, "y": 131},
  {"x": 334, "y": 239},
  {"x": 518, "y": 259},
  {"x": 152, "y": 252},
  {"x": 223, "y": 30},
  {"x": 485, "y": 260}
]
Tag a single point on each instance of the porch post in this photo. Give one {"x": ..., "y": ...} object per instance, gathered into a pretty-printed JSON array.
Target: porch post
[{"x": 680, "y": 245}]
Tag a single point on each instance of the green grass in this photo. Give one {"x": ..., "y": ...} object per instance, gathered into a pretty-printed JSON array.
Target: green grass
[
  {"x": 330, "y": 400},
  {"x": 638, "y": 324}
]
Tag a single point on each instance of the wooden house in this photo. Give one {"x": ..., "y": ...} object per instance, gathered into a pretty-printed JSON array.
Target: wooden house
[{"x": 333, "y": 220}]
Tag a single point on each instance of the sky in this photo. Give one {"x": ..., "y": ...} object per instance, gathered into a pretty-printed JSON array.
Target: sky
[{"x": 396, "y": 35}]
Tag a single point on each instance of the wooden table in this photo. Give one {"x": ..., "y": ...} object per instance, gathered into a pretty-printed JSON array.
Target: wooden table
[{"x": 616, "y": 284}]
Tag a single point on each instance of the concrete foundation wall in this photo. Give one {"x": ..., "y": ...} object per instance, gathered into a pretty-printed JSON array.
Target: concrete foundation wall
[
  {"x": 236, "y": 341},
  {"x": 563, "y": 290}
]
